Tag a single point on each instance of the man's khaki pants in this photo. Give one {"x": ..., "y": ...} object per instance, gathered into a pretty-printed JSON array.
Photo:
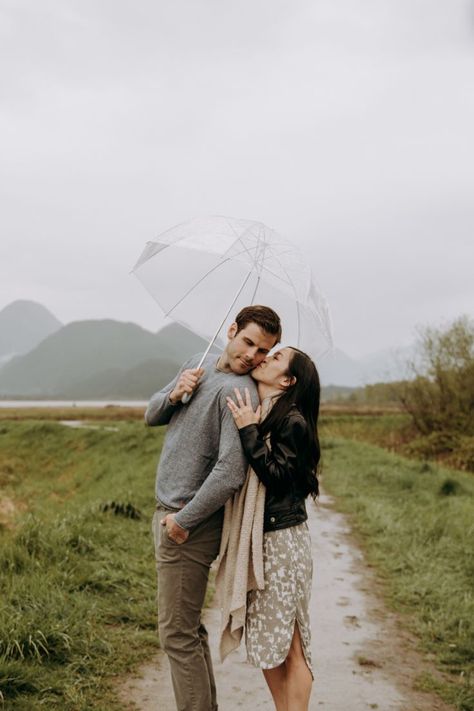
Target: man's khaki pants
[{"x": 183, "y": 571}]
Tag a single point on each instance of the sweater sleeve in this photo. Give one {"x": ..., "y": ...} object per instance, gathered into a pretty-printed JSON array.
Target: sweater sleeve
[
  {"x": 227, "y": 475},
  {"x": 160, "y": 408},
  {"x": 276, "y": 467}
]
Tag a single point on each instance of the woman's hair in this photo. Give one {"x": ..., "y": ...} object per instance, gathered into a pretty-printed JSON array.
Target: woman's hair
[{"x": 305, "y": 394}]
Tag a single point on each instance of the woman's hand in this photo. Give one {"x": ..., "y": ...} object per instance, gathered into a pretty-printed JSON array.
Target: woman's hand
[{"x": 243, "y": 412}]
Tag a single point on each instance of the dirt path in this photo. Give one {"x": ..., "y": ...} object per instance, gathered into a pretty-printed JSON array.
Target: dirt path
[{"x": 362, "y": 658}]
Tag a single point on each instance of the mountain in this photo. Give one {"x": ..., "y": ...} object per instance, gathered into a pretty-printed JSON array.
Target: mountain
[
  {"x": 337, "y": 368},
  {"x": 94, "y": 359},
  {"x": 178, "y": 343},
  {"x": 137, "y": 383},
  {"x": 24, "y": 324},
  {"x": 112, "y": 359}
]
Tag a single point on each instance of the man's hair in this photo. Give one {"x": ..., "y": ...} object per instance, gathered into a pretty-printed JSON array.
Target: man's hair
[{"x": 263, "y": 316}]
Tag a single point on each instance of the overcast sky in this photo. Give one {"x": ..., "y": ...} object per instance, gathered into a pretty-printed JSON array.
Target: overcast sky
[{"x": 346, "y": 125}]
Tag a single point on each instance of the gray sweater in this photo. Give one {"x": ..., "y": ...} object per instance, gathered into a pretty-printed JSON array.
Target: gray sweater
[{"x": 202, "y": 463}]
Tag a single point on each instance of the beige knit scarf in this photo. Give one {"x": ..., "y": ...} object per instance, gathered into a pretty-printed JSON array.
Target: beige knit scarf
[{"x": 240, "y": 563}]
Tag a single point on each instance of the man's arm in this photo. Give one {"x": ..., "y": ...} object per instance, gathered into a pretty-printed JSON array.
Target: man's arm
[
  {"x": 227, "y": 475},
  {"x": 164, "y": 403}
]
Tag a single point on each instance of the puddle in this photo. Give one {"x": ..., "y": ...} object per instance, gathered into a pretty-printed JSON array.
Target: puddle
[{"x": 85, "y": 425}]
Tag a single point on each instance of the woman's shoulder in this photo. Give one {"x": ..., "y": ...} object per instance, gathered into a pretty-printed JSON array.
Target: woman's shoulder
[
  {"x": 294, "y": 419},
  {"x": 295, "y": 413}
]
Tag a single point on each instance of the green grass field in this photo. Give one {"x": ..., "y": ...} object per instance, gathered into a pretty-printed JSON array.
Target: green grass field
[
  {"x": 77, "y": 582},
  {"x": 415, "y": 522}
]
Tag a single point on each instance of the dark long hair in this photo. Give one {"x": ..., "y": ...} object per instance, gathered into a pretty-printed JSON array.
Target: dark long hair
[{"x": 305, "y": 394}]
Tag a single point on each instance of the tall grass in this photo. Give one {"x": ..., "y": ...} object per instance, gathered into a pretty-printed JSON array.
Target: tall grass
[
  {"x": 416, "y": 523},
  {"x": 396, "y": 432},
  {"x": 77, "y": 583}
]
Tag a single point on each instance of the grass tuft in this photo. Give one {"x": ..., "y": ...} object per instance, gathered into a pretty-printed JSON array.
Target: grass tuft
[{"x": 450, "y": 487}]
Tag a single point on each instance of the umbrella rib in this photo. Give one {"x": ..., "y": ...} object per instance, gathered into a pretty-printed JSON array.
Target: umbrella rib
[
  {"x": 211, "y": 342},
  {"x": 296, "y": 297},
  {"x": 246, "y": 249},
  {"x": 270, "y": 248},
  {"x": 239, "y": 238},
  {"x": 285, "y": 281},
  {"x": 196, "y": 284},
  {"x": 255, "y": 291},
  {"x": 263, "y": 266}
]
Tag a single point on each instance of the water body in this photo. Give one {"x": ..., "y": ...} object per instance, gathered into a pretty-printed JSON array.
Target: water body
[{"x": 73, "y": 403}]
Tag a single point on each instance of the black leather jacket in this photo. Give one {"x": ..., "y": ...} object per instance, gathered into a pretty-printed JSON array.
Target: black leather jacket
[{"x": 280, "y": 468}]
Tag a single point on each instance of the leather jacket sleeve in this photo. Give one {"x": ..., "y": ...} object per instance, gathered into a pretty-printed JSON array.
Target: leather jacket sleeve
[{"x": 276, "y": 467}]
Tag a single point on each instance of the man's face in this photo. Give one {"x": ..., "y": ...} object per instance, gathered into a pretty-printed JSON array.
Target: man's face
[{"x": 247, "y": 348}]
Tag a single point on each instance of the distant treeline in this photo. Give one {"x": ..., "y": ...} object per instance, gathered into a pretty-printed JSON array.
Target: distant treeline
[{"x": 375, "y": 394}]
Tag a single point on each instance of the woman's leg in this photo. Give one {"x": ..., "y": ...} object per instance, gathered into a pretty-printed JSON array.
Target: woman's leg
[
  {"x": 290, "y": 683},
  {"x": 276, "y": 680},
  {"x": 299, "y": 679}
]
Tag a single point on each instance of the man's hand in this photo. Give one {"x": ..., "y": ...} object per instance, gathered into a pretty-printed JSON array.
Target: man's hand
[
  {"x": 187, "y": 383},
  {"x": 243, "y": 412},
  {"x": 177, "y": 533}
]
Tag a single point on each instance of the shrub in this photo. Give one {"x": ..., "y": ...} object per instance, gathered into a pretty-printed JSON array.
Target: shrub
[{"x": 440, "y": 398}]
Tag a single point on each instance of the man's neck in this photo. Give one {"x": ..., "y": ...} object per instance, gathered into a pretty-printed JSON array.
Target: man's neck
[{"x": 223, "y": 364}]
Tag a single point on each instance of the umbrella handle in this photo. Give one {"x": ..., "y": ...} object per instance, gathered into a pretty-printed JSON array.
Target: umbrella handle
[{"x": 187, "y": 396}]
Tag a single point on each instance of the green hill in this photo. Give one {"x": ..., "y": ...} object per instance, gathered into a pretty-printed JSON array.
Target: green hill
[
  {"x": 24, "y": 324},
  {"x": 137, "y": 383},
  {"x": 99, "y": 359}
]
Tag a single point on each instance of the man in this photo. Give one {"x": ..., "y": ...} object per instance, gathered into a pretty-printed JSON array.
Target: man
[{"x": 201, "y": 466}]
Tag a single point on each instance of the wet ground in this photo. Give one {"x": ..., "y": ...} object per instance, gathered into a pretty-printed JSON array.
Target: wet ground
[
  {"x": 85, "y": 425},
  {"x": 362, "y": 657}
]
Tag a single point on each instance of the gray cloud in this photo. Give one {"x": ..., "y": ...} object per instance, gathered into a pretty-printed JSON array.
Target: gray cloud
[{"x": 346, "y": 126}]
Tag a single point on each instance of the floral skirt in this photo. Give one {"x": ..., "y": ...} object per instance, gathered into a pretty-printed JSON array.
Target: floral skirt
[{"x": 272, "y": 612}]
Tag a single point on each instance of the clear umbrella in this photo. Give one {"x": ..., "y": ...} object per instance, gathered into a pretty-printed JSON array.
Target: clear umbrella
[{"x": 202, "y": 272}]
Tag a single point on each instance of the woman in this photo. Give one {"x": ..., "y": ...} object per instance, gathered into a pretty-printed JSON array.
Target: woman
[{"x": 283, "y": 450}]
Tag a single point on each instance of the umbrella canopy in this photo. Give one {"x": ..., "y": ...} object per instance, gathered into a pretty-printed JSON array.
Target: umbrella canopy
[{"x": 202, "y": 272}]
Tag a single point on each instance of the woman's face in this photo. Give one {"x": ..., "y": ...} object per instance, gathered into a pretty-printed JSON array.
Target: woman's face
[{"x": 273, "y": 370}]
